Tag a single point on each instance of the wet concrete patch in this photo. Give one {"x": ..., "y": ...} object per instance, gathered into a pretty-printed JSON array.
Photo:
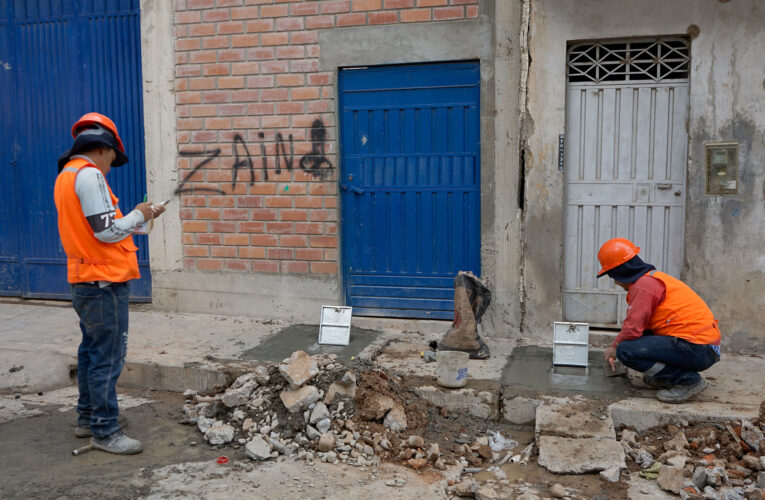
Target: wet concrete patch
[
  {"x": 304, "y": 338},
  {"x": 531, "y": 367}
]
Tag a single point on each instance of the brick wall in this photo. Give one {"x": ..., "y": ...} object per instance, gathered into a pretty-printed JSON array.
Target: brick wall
[{"x": 256, "y": 128}]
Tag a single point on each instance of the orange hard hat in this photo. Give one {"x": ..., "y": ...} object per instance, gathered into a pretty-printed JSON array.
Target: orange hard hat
[
  {"x": 615, "y": 252},
  {"x": 97, "y": 119}
]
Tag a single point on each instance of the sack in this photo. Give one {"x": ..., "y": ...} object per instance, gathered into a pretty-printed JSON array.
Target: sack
[{"x": 471, "y": 299}]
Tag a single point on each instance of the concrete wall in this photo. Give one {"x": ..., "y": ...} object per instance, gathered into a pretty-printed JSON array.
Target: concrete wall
[{"x": 725, "y": 234}]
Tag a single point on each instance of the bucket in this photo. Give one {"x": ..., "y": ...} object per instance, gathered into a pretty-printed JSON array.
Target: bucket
[{"x": 452, "y": 368}]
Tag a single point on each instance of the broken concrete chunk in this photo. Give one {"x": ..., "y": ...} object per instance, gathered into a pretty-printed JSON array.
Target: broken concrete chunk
[
  {"x": 629, "y": 436},
  {"x": 677, "y": 461},
  {"x": 761, "y": 479},
  {"x": 219, "y": 434},
  {"x": 320, "y": 412},
  {"x": 671, "y": 479},
  {"x": 324, "y": 425},
  {"x": 247, "y": 424},
  {"x": 752, "y": 462},
  {"x": 204, "y": 423},
  {"x": 557, "y": 491},
  {"x": 258, "y": 449},
  {"x": 312, "y": 433},
  {"x": 679, "y": 442},
  {"x": 239, "y": 395},
  {"x": 301, "y": 368},
  {"x": 434, "y": 453},
  {"x": 699, "y": 478},
  {"x": 751, "y": 435},
  {"x": 486, "y": 493},
  {"x": 643, "y": 459},
  {"x": 244, "y": 379},
  {"x": 416, "y": 442},
  {"x": 326, "y": 442},
  {"x": 298, "y": 399},
  {"x": 261, "y": 376},
  {"x": 577, "y": 456},
  {"x": 395, "y": 420},
  {"x": 465, "y": 488},
  {"x": 611, "y": 475},
  {"x": 278, "y": 446}
]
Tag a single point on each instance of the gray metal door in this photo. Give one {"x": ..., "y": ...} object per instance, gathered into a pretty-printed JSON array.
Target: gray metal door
[{"x": 625, "y": 160}]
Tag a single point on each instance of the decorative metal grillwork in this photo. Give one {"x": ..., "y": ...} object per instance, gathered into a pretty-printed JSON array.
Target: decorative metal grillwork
[{"x": 629, "y": 60}]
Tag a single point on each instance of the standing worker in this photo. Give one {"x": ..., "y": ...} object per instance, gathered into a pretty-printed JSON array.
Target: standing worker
[
  {"x": 101, "y": 260},
  {"x": 669, "y": 333}
]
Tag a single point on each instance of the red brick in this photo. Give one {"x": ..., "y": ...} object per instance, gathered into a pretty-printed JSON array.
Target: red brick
[
  {"x": 320, "y": 188},
  {"x": 317, "y": 107},
  {"x": 221, "y": 201},
  {"x": 200, "y": 4},
  {"x": 229, "y": 3},
  {"x": 187, "y": 239},
  {"x": 357, "y": 19},
  {"x": 274, "y": 94},
  {"x": 447, "y": 13},
  {"x": 214, "y": 16},
  {"x": 280, "y": 253},
  {"x": 324, "y": 267},
  {"x": 204, "y": 136},
  {"x": 217, "y": 96},
  {"x": 188, "y": 70},
  {"x": 244, "y": 13},
  {"x": 267, "y": 67},
  {"x": 308, "y": 202},
  {"x": 324, "y": 241},
  {"x": 195, "y": 251},
  {"x": 263, "y": 214},
  {"x": 193, "y": 226},
  {"x": 362, "y": 5},
  {"x": 208, "y": 239},
  {"x": 304, "y": 66},
  {"x": 292, "y": 266},
  {"x": 222, "y": 227},
  {"x": 319, "y": 79},
  {"x": 231, "y": 82},
  {"x": 223, "y": 252},
  {"x": 330, "y": 228},
  {"x": 330, "y": 202},
  {"x": 236, "y": 239},
  {"x": 318, "y": 22},
  {"x": 471, "y": 11},
  {"x": 313, "y": 51},
  {"x": 215, "y": 42},
  {"x": 252, "y": 252},
  {"x": 304, "y": 9},
  {"x": 260, "y": 108},
  {"x": 249, "y": 201},
  {"x": 207, "y": 213},
  {"x": 203, "y": 56},
  {"x": 271, "y": 39},
  {"x": 260, "y": 25},
  {"x": 267, "y": 266},
  {"x": 187, "y": 44},
  {"x": 232, "y": 109},
  {"x": 293, "y": 240},
  {"x": 323, "y": 215},
  {"x": 275, "y": 122},
  {"x": 289, "y": 108},
  {"x": 223, "y": 176},
  {"x": 187, "y": 17},
  {"x": 462, "y": 2},
  {"x": 305, "y": 93},
  {"x": 260, "y": 53},
  {"x": 309, "y": 254},
  {"x": 266, "y": 188},
  {"x": 290, "y": 52},
  {"x": 308, "y": 228},
  {"x": 230, "y": 28},
  {"x": 330, "y": 254},
  {"x": 236, "y": 265},
  {"x": 202, "y": 29},
  {"x": 193, "y": 201},
  {"x": 244, "y": 41},
  {"x": 383, "y": 18},
  {"x": 245, "y": 68},
  {"x": 251, "y": 227},
  {"x": 415, "y": 16},
  {"x": 274, "y": 11},
  {"x": 279, "y": 202},
  {"x": 216, "y": 69},
  {"x": 431, "y": 3},
  {"x": 290, "y": 80},
  {"x": 209, "y": 264},
  {"x": 236, "y": 213},
  {"x": 218, "y": 123},
  {"x": 304, "y": 37},
  {"x": 279, "y": 227},
  {"x": 289, "y": 24},
  {"x": 204, "y": 110},
  {"x": 263, "y": 240},
  {"x": 399, "y": 4}
]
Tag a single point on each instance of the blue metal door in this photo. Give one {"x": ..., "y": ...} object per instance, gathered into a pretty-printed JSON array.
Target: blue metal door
[
  {"x": 58, "y": 60},
  {"x": 410, "y": 139}
]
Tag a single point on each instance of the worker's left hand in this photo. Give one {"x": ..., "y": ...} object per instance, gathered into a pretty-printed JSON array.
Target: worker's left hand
[
  {"x": 610, "y": 356},
  {"x": 158, "y": 209}
]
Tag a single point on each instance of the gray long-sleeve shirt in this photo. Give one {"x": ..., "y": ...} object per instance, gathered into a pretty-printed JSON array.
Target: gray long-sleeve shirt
[{"x": 92, "y": 190}]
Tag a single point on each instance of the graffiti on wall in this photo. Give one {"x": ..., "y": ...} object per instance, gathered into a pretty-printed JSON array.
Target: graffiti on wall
[{"x": 314, "y": 162}]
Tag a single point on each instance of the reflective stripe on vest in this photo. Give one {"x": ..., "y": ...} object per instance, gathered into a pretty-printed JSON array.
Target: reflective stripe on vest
[
  {"x": 682, "y": 313},
  {"x": 88, "y": 258}
]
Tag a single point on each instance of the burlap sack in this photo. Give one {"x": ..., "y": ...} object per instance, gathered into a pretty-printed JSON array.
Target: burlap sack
[{"x": 471, "y": 299}]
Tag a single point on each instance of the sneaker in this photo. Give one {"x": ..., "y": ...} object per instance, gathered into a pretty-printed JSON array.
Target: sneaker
[
  {"x": 680, "y": 393},
  {"x": 84, "y": 432},
  {"x": 656, "y": 383},
  {"x": 117, "y": 443}
]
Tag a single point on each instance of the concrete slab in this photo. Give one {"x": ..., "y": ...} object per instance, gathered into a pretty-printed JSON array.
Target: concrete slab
[
  {"x": 578, "y": 456},
  {"x": 644, "y": 413},
  {"x": 24, "y": 370},
  {"x": 574, "y": 419},
  {"x": 479, "y": 403},
  {"x": 644, "y": 489}
]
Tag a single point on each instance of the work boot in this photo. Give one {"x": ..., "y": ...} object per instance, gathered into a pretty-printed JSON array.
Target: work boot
[
  {"x": 680, "y": 393},
  {"x": 117, "y": 443},
  {"x": 655, "y": 383},
  {"x": 84, "y": 432}
]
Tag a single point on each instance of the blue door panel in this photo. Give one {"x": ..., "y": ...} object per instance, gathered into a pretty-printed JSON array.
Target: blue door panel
[
  {"x": 410, "y": 186},
  {"x": 67, "y": 58}
]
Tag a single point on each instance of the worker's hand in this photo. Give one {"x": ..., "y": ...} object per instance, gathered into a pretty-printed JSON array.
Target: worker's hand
[
  {"x": 146, "y": 210},
  {"x": 610, "y": 356},
  {"x": 158, "y": 209}
]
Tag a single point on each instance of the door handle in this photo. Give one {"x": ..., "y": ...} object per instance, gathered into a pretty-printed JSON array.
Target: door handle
[
  {"x": 664, "y": 186},
  {"x": 353, "y": 188}
]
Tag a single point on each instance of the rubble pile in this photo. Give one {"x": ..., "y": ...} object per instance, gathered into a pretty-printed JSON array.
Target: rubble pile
[
  {"x": 702, "y": 460},
  {"x": 313, "y": 407}
]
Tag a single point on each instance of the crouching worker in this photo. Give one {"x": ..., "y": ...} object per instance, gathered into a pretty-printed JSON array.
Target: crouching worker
[
  {"x": 101, "y": 260},
  {"x": 669, "y": 334}
]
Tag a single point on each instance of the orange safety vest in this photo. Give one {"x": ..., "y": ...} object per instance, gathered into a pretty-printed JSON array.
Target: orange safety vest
[
  {"x": 682, "y": 313},
  {"x": 88, "y": 258}
]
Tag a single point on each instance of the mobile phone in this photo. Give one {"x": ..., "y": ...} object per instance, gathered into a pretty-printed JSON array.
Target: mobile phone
[{"x": 165, "y": 202}]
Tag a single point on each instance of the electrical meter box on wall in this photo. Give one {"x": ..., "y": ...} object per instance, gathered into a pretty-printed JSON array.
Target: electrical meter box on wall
[{"x": 722, "y": 168}]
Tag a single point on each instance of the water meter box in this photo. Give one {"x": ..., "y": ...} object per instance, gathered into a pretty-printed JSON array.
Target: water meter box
[
  {"x": 722, "y": 167},
  {"x": 571, "y": 342},
  {"x": 335, "y": 327}
]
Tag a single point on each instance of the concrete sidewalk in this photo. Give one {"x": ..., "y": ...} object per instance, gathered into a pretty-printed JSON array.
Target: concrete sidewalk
[{"x": 177, "y": 351}]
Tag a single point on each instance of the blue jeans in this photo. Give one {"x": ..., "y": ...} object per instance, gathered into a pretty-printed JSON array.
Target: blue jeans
[
  {"x": 103, "y": 316},
  {"x": 666, "y": 359}
]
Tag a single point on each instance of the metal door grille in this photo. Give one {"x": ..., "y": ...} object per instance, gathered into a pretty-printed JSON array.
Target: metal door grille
[{"x": 655, "y": 60}]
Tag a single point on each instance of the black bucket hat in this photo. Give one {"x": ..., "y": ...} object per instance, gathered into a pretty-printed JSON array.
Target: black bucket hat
[
  {"x": 630, "y": 271},
  {"x": 92, "y": 137}
]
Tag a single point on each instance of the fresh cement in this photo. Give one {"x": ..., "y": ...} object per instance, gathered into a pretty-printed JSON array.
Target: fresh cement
[{"x": 283, "y": 343}]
